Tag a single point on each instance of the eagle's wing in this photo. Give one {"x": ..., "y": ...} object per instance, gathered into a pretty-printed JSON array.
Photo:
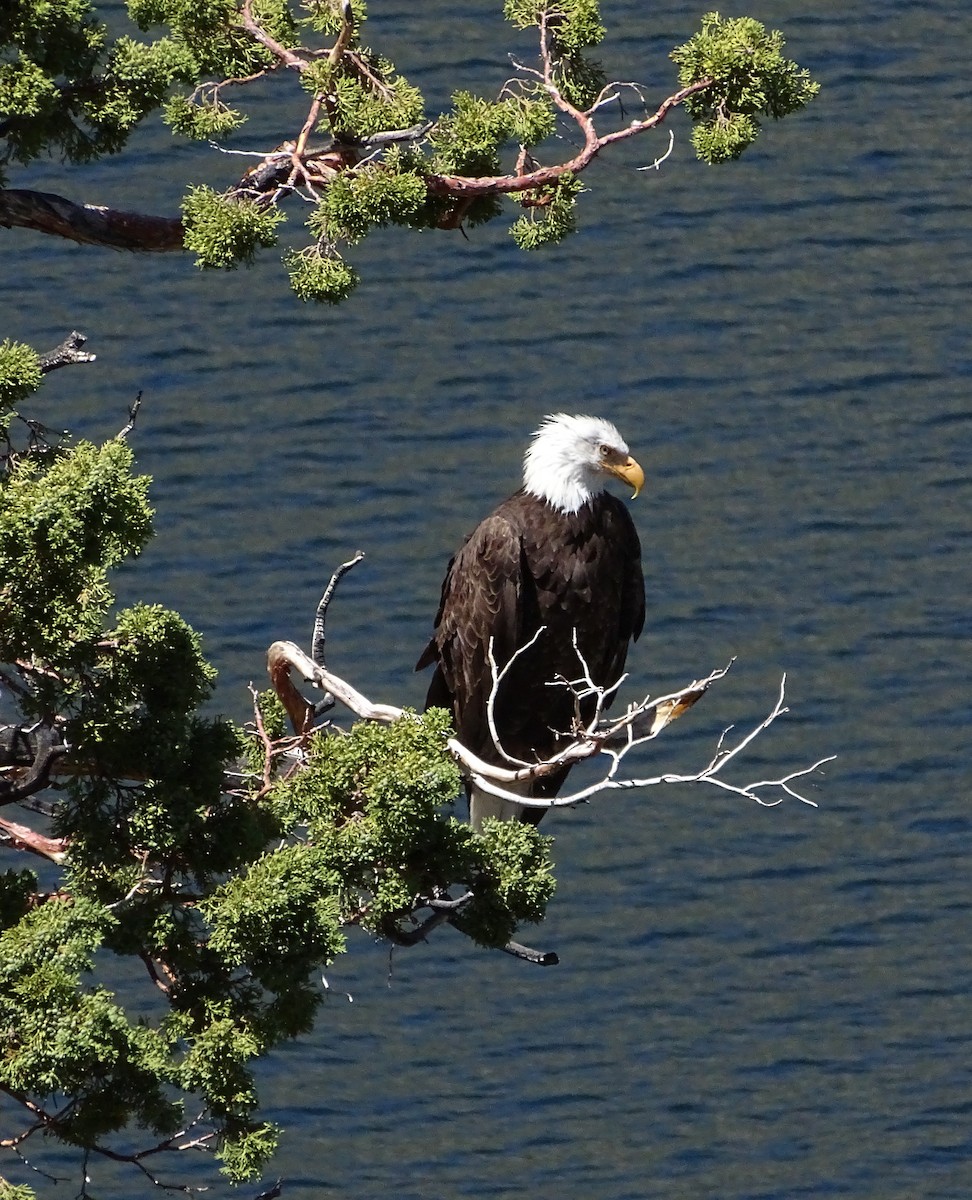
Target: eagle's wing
[{"x": 487, "y": 595}]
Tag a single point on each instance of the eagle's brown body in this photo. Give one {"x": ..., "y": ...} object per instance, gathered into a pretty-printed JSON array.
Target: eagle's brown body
[{"x": 530, "y": 565}]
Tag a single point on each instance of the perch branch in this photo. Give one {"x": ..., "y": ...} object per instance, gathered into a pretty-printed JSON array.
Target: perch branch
[
  {"x": 490, "y": 779},
  {"x": 641, "y": 722},
  {"x": 284, "y": 657}
]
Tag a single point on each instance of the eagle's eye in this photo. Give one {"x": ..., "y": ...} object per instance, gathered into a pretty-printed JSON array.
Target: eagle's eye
[{"x": 604, "y": 450}]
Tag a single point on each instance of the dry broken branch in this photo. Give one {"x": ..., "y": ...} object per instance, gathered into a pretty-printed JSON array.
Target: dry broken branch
[
  {"x": 67, "y": 354},
  {"x": 640, "y": 722}
]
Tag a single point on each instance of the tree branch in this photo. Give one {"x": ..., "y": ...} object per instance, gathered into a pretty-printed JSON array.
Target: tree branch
[
  {"x": 284, "y": 657},
  {"x": 465, "y": 186},
  {"x": 21, "y": 837},
  {"x": 317, "y": 642},
  {"x": 68, "y": 353},
  {"x": 27, "y": 755},
  {"x": 641, "y": 722},
  {"x": 287, "y": 57},
  {"x": 90, "y": 224}
]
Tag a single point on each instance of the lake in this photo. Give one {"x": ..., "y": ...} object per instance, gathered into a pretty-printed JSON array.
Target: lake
[{"x": 750, "y": 1003}]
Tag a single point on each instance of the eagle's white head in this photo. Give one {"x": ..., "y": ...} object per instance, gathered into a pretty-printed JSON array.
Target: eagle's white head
[{"x": 570, "y": 459}]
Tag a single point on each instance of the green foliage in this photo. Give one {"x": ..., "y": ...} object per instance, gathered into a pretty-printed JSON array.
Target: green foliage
[
  {"x": 325, "y": 278},
  {"x": 146, "y": 814},
  {"x": 573, "y": 26},
  {"x": 247, "y": 1149},
  {"x": 61, "y": 1037},
  {"x": 374, "y": 807},
  {"x": 66, "y": 88},
  {"x": 10, "y": 1191},
  {"x": 16, "y": 890},
  {"x": 511, "y": 869},
  {"x": 203, "y": 120},
  {"x": 468, "y": 140},
  {"x": 136, "y": 80},
  {"x": 226, "y": 231},
  {"x": 210, "y": 31},
  {"x": 325, "y": 15},
  {"x": 364, "y": 104},
  {"x": 751, "y": 79},
  {"x": 20, "y": 375},
  {"x": 372, "y": 196},
  {"x": 552, "y": 216},
  {"x": 64, "y": 523},
  {"x": 370, "y": 804},
  {"x": 280, "y": 917}
]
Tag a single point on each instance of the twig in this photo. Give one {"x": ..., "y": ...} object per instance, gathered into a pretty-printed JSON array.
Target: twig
[
  {"x": 317, "y": 642},
  {"x": 656, "y": 165},
  {"x": 132, "y": 414},
  {"x": 499, "y": 674},
  {"x": 485, "y": 776}
]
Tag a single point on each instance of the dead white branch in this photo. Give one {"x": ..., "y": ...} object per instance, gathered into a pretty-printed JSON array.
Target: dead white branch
[
  {"x": 282, "y": 657},
  {"x": 623, "y": 737},
  {"x": 612, "y": 737}
]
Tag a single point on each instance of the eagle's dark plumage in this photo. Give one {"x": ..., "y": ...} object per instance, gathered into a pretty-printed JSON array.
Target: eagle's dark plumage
[{"x": 560, "y": 553}]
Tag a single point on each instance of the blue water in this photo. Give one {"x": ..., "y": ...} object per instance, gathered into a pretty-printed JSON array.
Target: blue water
[{"x": 751, "y": 1003}]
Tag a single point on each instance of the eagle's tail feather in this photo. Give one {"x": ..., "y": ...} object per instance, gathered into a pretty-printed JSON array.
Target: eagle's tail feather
[{"x": 485, "y": 804}]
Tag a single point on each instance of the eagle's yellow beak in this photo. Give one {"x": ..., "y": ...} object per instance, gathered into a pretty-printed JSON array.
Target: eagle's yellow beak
[{"x": 629, "y": 472}]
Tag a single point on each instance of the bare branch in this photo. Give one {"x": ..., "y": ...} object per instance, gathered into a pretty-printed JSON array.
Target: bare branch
[
  {"x": 317, "y": 642},
  {"x": 132, "y": 415},
  {"x": 21, "y": 837},
  {"x": 656, "y": 165},
  {"x": 90, "y": 224},
  {"x": 641, "y": 722},
  {"x": 467, "y": 186},
  {"x": 498, "y": 676},
  {"x": 490, "y": 779},
  {"x": 67, "y": 354},
  {"x": 283, "y": 657}
]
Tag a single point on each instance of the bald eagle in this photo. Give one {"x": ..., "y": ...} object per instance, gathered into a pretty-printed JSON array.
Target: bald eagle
[{"x": 563, "y": 554}]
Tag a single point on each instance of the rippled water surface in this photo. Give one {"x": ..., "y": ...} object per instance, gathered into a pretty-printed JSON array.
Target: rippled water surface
[{"x": 750, "y": 1003}]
